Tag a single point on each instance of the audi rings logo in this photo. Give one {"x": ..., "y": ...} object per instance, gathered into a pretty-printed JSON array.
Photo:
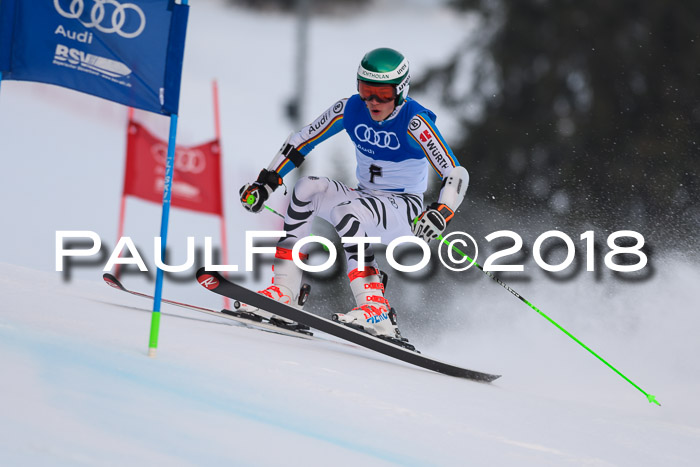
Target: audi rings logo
[
  {"x": 381, "y": 139},
  {"x": 186, "y": 160},
  {"x": 100, "y": 18}
]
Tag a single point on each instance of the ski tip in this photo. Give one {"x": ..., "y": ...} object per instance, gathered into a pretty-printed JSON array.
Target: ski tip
[
  {"x": 112, "y": 281},
  {"x": 204, "y": 272},
  {"x": 207, "y": 280}
]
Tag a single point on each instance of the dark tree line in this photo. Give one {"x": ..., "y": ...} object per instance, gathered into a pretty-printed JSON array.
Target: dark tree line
[{"x": 589, "y": 108}]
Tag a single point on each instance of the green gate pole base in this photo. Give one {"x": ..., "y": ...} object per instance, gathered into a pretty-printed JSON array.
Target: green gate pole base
[{"x": 155, "y": 328}]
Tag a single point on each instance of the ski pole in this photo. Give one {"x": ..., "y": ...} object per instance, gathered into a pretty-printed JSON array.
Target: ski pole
[
  {"x": 251, "y": 200},
  {"x": 650, "y": 397}
]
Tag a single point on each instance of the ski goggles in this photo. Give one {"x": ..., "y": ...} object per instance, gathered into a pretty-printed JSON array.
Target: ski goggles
[{"x": 382, "y": 93}]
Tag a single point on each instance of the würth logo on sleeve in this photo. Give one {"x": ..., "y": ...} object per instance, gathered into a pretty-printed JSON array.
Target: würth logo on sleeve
[{"x": 208, "y": 281}]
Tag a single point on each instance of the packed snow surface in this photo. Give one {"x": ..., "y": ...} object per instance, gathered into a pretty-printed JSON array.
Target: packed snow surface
[{"x": 80, "y": 390}]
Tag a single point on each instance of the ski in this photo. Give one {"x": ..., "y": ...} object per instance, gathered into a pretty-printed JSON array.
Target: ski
[
  {"x": 215, "y": 282},
  {"x": 249, "y": 322}
]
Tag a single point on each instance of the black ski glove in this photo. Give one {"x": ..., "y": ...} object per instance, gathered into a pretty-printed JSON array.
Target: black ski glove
[
  {"x": 254, "y": 195},
  {"x": 432, "y": 222}
]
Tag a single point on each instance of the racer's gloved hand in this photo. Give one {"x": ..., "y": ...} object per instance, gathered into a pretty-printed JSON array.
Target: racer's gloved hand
[
  {"x": 254, "y": 195},
  {"x": 432, "y": 222}
]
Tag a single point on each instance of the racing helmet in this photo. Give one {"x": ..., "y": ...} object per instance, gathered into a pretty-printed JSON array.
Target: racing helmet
[{"x": 381, "y": 67}]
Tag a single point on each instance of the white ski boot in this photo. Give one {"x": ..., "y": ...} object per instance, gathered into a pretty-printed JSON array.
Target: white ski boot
[
  {"x": 286, "y": 288},
  {"x": 373, "y": 313}
]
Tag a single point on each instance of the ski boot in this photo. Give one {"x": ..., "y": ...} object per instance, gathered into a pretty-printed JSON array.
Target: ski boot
[
  {"x": 286, "y": 288},
  {"x": 373, "y": 313}
]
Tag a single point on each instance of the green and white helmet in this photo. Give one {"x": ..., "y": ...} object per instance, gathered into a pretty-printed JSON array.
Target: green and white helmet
[{"x": 386, "y": 66}]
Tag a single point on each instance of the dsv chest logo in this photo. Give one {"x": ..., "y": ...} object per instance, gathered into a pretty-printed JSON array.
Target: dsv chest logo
[
  {"x": 380, "y": 139},
  {"x": 107, "y": 16}
]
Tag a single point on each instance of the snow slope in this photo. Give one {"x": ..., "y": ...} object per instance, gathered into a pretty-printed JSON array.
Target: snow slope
[{"x": 77, "y": 388}]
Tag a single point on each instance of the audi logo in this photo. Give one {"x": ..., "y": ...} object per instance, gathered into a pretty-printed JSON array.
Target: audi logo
[
  {"x": 186, "y": 160},
  {"x": 381, "y": 139},
  {"x": 99, "y": 16}
]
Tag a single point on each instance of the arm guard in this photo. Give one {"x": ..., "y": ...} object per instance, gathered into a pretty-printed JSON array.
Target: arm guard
[
  {"x": 286, "y": 153},
  {"x": 454, "y": 187}
]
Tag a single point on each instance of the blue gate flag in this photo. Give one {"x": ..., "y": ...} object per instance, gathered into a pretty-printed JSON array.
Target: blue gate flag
[{"x": 126, "y": 51}]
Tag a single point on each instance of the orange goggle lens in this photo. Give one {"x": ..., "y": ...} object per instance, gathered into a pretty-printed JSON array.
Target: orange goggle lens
[{"x": 380, "y": 92}]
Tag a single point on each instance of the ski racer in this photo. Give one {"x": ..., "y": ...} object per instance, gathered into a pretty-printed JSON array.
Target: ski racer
[{"x": 396, "y": 143}]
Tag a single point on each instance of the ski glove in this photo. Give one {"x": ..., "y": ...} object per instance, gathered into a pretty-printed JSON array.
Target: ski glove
[
  {"x": 254, "y": 195},
  {"x": 432, "y": 222}
]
